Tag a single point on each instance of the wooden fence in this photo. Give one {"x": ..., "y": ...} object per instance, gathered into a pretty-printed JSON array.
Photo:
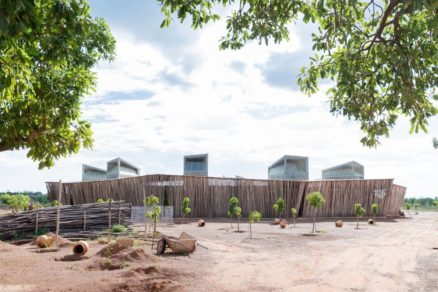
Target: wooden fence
[{"x": 210, "y": 195}]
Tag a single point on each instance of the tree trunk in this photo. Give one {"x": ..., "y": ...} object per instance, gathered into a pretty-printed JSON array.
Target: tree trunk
[
  {"x": 250, "y": 230},
  {"x": 314, "y": 219},
  {"x": 294, "y": 222},
  {"x": 357, "y": 222},
  {"x": 153, "y": 235},
  {"x": 238, "y": 227}
]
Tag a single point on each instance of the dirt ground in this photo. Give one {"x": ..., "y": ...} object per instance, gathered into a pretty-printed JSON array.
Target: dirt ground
[{"x": 395, "y": 255}]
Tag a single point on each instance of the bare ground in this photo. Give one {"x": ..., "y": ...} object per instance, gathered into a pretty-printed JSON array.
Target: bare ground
[{"x": 395, "y": 255}]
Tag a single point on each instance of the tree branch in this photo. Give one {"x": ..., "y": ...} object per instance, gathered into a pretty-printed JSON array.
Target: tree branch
[{"x": 383, "y": 22}]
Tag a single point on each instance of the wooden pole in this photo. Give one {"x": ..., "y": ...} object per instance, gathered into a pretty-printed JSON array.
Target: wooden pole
[
  {"x": 144, "y": 216},
  {"x": 109, "y": 220},
  {"x": 58, "y": 214},
  {"x": 119, "y": 214},
  {"x": 36, "y": 224},
  {"x": 85, "y": 220}
]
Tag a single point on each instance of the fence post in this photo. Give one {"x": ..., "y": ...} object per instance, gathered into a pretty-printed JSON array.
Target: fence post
[
  {"x": 119, "y": 213},
  {"x": 58, "y": 214},
  {"x": 85, "y": 220},
  {"x": 109, "y": 220},
  {"x": 144, "y": 216},
  {"x": 36, "y": 224}
]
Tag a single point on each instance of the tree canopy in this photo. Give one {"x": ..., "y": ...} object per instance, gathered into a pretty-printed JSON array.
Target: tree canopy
[
  {"x": 380, "y": 55},
  {"x": 47, "y": 51}
]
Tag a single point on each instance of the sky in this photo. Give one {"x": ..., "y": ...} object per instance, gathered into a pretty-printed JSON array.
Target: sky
[{"x": 171, "y": 92}]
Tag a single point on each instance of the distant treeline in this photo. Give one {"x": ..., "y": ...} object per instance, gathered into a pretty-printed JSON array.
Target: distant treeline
[
  {"x": 34, "y": 196},
  {"x": 422, "y": 202}
]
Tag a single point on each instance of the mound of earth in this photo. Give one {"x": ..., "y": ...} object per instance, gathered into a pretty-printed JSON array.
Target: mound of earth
[
  {"x": 116, "y": 256},
  {"x": 111, "y": 249},
  {"x": 147, "y": 279}
]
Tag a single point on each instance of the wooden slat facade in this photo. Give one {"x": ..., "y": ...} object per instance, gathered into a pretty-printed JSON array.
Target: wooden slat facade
[{"x": 209, "y": 196}]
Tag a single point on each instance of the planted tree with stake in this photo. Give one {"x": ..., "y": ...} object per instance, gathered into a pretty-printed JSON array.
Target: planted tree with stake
[
  {"x": 279, "y": 206},
  {"x": 255, "y": 216},
  {"x": 359, "y": 211},
  {"x": 185, "y": 206},
  {"x": 315, "y": 200},
  {"x": 234, "y": 211},
  {"x": 153, "y": 211},
  {"x": 294, "y": 214},
  {"x": 375, "y": 210}
]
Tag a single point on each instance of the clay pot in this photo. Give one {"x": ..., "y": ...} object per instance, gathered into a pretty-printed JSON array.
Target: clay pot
[
  {"x": 283, "y": 223},
  {"x": 80, "y": 248},
  {"x": 43, "y": 241},
  {"x": 339, "y": 223},
  {"x": 276, "y": 221},
  {"x": 371, "y": 221},
  {"x": 201, "y": 223}
]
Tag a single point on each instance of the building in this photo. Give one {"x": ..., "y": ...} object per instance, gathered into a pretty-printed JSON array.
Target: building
[
  {"x": 116, "y": 168},
  {"x": 212, "y": 194},
  {"x": 90, "y": 173},
  {"x": 290, "y": 167},
  {"x": 119, "y": 168},
  {"x": 196, "y": 165},
  {"x": 348, "y": 170}
]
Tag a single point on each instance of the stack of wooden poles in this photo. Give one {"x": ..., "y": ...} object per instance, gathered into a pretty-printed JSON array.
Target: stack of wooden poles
[{"x": 73, "y": 219}]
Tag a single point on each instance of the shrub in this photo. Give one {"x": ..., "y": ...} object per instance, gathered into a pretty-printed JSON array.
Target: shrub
[
  {"x": 375, "y": 210},
  {"x": 54, "y": 203},
  {"x": 118, "y": 228},
  {"x": 16, "y": 202},
  {"x": 5, "y": 198},
  {"x": 185, "y": 206}
]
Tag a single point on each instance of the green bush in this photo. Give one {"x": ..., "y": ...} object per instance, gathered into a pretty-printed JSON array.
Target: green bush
[
  {"x": 54, "y": 203},
  {"x": 118, "y": 228},
  {"x": 375, "y": 210},
  {"x": 15, "y": 202},
  {"x": 5, "y": 198},
  {"x": 185, "y": 206}
]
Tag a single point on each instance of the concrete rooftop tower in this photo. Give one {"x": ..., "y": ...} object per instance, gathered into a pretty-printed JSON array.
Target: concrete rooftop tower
[
  {"x": 196, "y": 165},
  {"x": 348, "y": 170},
  {"x": 290, "y": 167},
  {"x": 119, "y": 168}
]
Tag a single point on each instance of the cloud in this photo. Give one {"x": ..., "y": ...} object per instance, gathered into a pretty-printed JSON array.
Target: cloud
[
  {"x": 164, "y": 97},
  {"x": 282, "y": 69},
  {"x": 173, "y": 79}
]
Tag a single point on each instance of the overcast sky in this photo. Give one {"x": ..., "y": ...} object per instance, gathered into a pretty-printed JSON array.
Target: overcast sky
[{"x": 171, "y": 92}]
